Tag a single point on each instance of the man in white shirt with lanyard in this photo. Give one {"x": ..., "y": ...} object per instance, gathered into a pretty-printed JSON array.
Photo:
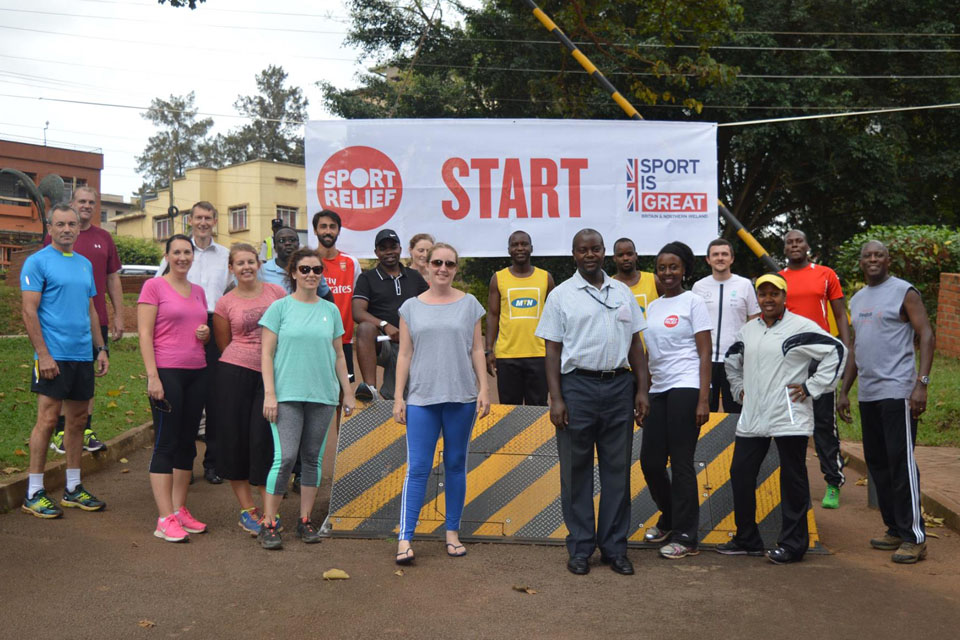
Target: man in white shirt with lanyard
[
  {"x": 731, "y": 302},
  {"x": 211, "y": 271}
]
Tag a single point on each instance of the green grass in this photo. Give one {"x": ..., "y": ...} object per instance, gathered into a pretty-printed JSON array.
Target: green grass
[
  {"x": 121, "y": 398},
  {"x": 10, "y": 320},
  {"x": 940, "y": 425}
]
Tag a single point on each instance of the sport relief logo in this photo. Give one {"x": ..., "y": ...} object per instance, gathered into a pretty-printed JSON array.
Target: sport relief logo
[
  {"x": 670, "y": 321},
  {"x": 644, "y": 197},
  {"x": 363, "y": 185}
]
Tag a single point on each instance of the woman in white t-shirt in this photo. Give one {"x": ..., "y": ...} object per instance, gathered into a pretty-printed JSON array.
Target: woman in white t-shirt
[{"x": 678, "y": 343}]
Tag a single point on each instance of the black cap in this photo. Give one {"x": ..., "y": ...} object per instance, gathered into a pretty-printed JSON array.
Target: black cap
[{"x": 386, "y": 234}]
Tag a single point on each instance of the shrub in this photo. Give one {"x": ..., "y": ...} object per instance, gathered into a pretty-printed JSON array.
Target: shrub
[
  {"x": 918, "y": 254},
  {"x": 137, "y": 250}
]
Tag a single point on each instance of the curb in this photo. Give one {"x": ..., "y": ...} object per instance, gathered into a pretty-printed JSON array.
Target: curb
[
  {"x": 932, "y": 502},
  {"x": 14, "y": 488}
]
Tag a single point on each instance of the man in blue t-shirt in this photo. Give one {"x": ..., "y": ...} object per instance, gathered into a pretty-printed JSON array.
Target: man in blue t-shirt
[{"x": 58, "y": 289}]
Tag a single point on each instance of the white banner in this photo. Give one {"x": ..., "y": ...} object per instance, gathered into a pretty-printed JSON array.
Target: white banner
[{"x": 472, "y": 183}]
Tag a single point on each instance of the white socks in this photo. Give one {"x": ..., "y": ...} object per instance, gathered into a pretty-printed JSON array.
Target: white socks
[
  {"x": 35, "y": 483},
  {"x": 73, "y": 479}
]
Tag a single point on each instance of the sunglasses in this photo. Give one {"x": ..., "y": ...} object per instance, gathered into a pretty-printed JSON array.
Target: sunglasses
[
  {"x": 163, "y": 406},
  {"x": 449, "y": 264},
  {"x": 304, "y": 269}
]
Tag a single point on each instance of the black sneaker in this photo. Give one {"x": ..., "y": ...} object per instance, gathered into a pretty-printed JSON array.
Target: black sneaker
[
  {"x": 731, "y": 548},
  {"x": 307, "y": 532},
  {"x": 782, "y": 556},
  {"x": 366, "y": 393},
  {"x": 295, "y": 485},
  {"x": 269, "y": 537}
]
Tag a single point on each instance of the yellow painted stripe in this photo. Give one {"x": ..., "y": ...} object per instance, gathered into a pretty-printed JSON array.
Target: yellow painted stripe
[
  {"x": 584, "y": 61},
  {"x": 544, "y": 19},
  {"x": 367, "y": 447},
  {"x": 624, "y": 104},
  {"x": 521, "y": 510}
]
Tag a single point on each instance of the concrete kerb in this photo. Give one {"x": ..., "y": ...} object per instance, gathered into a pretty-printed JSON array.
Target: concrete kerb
[
  {"x": 14, "y": 488},
  {"x": 932, "y": 502}
]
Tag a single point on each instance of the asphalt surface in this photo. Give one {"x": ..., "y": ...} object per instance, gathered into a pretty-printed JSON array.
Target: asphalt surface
[{"x": 103, "y": 575}]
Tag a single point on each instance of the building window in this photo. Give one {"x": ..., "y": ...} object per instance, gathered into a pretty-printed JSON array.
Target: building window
[
  {"x": 70, "y": 185},
  {"x": 289, "y": 182},
  {"x": 163, "y": 228},
  {"x": 103, "y": 214},
  {"x": 238, "y": 219},
  {"x": 288, "y": 215},
  {"x": 12, "y": 190}
]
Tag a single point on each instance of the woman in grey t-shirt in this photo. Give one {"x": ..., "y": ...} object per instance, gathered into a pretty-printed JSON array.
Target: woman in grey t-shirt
[{"x": 441, "y": 353}]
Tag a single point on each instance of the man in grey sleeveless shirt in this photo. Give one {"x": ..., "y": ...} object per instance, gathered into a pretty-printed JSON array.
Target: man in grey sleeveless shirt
[{"x": 887, "y": 314}]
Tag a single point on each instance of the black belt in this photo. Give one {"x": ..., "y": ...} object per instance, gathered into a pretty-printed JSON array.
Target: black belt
[{"x": 603, "y": 375}]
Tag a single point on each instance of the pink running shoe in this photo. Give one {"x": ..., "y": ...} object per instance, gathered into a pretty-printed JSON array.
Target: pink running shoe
[
  {"x": 170, "y": 530},
  {"x": 188, "y": 522}
]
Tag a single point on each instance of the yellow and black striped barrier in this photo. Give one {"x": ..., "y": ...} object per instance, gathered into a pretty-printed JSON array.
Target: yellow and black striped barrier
[{"x": 513, "y": 481}]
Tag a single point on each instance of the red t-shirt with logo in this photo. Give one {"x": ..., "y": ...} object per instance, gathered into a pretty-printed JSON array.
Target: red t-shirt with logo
[
  {"x": 96, "y": 245},
  {"x": 809, "y": 291},
  {"x": 341, "y": 273}
]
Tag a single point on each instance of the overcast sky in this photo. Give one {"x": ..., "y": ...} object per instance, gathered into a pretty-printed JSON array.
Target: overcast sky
[{"x": 130, "y": 51}]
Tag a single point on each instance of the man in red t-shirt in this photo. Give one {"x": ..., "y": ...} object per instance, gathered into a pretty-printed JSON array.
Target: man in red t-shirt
[
  {"x": 810, "y": 289},
  {"x": 341, "y": 272},
  {"x": 97, "y": 246}
]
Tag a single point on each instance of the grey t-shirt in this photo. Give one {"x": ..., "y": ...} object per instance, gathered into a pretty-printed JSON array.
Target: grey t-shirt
[
  {"x": 883, "y": 342},
  {"x": 441, "y": 369}
]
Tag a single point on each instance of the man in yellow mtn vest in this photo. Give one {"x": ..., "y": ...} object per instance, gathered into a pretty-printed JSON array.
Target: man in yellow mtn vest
[
  {"x": 643, "y": 284},
  {"x": 514, "y": 354}
]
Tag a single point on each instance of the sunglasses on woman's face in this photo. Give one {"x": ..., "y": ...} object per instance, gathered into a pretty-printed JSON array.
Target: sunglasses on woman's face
[
  {"x": 449, "y": 264},
  {"x": 304, "y": 269}
]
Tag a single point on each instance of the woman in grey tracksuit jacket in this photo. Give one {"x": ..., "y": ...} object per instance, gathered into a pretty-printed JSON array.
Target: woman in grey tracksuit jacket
[{"x": 777, "y": 365}]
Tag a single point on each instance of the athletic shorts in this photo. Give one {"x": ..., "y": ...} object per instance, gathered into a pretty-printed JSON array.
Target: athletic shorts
[{"x": 74, "y": 382}]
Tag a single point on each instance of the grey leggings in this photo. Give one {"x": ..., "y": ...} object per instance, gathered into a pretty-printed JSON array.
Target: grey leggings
[{"x": 301, "y": 427}]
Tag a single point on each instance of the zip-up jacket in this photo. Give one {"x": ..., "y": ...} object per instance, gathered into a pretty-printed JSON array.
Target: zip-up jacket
[{"x": 763, "y": 360}]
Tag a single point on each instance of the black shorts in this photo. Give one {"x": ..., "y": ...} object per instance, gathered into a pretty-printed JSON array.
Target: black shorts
[
  {"x": 105, "y": 332},
  {"x": 74, "y": 382},
  {"x": 244, "y": 438}
]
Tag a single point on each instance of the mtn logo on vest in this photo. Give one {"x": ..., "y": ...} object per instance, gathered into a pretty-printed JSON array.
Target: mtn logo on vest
[
  {"x": 670, "y": 321},
  {"x": 524, "y": 303}
]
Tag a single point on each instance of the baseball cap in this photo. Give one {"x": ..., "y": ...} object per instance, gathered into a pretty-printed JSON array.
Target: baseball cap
[
  {"x": 386, "y": 234},
  {"x": 773, "y": 279}
]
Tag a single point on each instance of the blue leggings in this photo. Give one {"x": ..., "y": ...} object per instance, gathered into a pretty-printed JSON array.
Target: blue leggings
[{"x": 424, "y": 425}]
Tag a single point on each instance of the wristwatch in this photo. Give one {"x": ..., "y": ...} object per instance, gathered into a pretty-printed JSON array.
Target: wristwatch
[
  {"x": 103, "y": 347},
  {"x": 924, "y": 380},
  {"x": 383, "y": 325}
]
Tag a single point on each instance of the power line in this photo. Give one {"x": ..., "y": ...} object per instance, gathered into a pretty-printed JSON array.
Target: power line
[{"x": 952, "y": 105}]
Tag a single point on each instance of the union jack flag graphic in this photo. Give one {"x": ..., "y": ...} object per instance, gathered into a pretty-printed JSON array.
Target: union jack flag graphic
[{"x": 633, "y": 185}]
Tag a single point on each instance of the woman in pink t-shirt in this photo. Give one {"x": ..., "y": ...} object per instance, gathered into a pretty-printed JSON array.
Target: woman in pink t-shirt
[
  {"x": 171, "y": 318},
  {"x": 244, "y": 440}
]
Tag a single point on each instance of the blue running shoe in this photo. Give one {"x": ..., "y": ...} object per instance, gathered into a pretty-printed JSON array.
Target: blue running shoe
[
  {"x": 41, "y": 506},
  {"x": 250, "y": 520},
  {"x": 82, "y": 499}
]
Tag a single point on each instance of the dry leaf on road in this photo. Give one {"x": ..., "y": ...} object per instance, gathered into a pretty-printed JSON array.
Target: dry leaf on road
[
  {"x": 19, "y": 452},
  {"x": 522, "y": 588},
  {"x": 147, "y": 624},
  {"x": 335, "y": 574},
  {"x": 398, "y": 572},
  {"x": 862, "y": 482}
]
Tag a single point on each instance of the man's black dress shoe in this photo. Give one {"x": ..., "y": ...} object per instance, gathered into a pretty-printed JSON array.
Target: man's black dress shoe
[
  {"x": 578, "y": 565},
  {"x": 619, "y": 564},
  {"x": 782, "y": 556},
  {"x": 211, "y": 476}
]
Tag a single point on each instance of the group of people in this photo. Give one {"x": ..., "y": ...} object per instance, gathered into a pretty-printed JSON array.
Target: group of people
[{"x": 262, "y": 351}]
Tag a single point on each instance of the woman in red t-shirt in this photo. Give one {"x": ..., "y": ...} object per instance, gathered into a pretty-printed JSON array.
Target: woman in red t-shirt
[
  {"x": 172, "y": 323},
  {"x": 244, "y": 441}
]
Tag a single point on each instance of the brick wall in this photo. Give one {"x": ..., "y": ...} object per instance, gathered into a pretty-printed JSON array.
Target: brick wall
[{"x": 948, "y": 315}]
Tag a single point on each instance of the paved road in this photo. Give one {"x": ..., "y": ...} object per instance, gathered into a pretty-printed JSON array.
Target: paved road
[{"x": 98, "y": 575}]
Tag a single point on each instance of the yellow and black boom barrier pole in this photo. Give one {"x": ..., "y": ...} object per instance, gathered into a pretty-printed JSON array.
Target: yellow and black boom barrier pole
[{"x": 629, "y": 109}]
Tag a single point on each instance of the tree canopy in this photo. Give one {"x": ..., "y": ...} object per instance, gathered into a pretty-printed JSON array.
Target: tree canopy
[
  {"x": 718, "y": 61},
  {"x": 179, "y": 142}
]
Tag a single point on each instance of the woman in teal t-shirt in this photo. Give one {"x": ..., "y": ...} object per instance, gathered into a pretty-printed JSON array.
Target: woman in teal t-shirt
[{"x": 304, "y": 370}]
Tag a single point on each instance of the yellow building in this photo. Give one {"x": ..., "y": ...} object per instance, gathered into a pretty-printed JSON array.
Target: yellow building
[{"x": 247, "y": 196}]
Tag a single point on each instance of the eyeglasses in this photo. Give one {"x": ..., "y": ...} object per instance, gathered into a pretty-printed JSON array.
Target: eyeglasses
[
  {"x": 162, "y": 405},
  {"x": 304, "y": 269},
  {"x": 449, "y": 264}
]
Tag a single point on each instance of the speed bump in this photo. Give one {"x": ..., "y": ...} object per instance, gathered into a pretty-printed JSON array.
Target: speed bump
[{"x": 513, "y": 482}]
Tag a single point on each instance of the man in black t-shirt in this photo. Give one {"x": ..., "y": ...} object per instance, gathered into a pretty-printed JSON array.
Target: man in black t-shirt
[{"x": 376, "y": 301}]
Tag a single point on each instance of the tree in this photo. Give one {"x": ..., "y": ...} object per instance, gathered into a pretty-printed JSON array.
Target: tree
[
  {"x": 830, "y": 177},
  {"x": 179, "y": 144},
  {"x": 182, "y": 3},
  {"x": 275, "y": 131}
]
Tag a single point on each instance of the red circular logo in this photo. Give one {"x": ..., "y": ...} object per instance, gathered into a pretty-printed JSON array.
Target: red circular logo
[
  {"x": 361, "y": 184},
  {"x": 670, "y": 321}
]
